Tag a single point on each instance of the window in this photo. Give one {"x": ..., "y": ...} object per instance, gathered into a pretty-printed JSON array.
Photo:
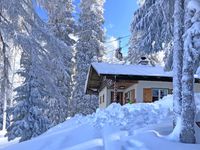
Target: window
[
  {"x": 99, "y": 99},
  {"x": 170, "y": 91},
  {"x": 158, "y": 93},
  {"x": 163, "y": 92},
  {"x": 127, "y": 96},
  {"x": 155, "y": 94}
]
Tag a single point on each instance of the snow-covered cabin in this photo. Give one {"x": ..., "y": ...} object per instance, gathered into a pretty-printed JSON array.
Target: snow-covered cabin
[{"x": 129, "y": 83}]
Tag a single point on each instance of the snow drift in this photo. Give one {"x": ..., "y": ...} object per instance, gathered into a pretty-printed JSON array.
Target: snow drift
[{"x": 114, "y": 128}]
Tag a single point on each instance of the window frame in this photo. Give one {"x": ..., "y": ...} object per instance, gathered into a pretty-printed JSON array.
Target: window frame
[{"x": 159, "y": 93}]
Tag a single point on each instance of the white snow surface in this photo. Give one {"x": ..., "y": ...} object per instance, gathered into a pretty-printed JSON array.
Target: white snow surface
[
  {"x": 4, "y": 141},
  {"x": 137, "y": 70},
  {"x": 194, "y": 5},
  {"x": 123, "y": 69},
  {"x": 139, "y": 126}
]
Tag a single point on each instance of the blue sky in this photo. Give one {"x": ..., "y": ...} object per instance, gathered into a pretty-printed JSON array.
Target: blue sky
[{"x": 118, "y": 16}]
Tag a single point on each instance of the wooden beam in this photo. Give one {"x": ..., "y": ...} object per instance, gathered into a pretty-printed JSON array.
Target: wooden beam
[{"x": 145, "y": 78}]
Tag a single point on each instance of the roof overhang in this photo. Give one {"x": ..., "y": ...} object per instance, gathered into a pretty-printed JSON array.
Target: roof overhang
[{"x": 93, "y": 81}]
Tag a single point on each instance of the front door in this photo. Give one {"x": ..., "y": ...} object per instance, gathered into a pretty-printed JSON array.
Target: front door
[{"x": 119, "y": 98}]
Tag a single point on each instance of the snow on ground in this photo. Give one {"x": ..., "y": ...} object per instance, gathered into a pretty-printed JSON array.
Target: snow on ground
[
  {"x": 152, "y": 140},
  {"x": 132, "y": 126},
  {"x": 4, "y": 142}
]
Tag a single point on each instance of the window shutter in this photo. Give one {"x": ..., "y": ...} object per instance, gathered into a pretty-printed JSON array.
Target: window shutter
[
  {"x": 133, "y": 96},
  {"x": 147, "y": 95}
]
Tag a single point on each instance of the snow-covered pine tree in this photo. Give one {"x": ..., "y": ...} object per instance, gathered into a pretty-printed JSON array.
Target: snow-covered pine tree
[
  {"x": 89, "y": 48},
  {"x": 28, "y": 119},
  {"x": 145, "y": 37},
  {"x": 60, "y": 19},
  {"x": 60, "y": 68},
  {"x": 28, "y": 114},
  {"x": 191, "y": 55},
  {"x": 62, "y": 24},
  {"x": 135, "y": 54},
  {"x": 22, "y": 28},
  {"x": 153, "y": 25}
]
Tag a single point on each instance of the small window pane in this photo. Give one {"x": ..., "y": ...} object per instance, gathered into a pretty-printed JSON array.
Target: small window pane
[
  {"x": 155, "y": 95},
  {"x": 163, "y": 92}
]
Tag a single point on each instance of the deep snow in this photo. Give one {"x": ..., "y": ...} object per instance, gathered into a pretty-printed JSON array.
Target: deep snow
[{"x": 133, "y": 126}]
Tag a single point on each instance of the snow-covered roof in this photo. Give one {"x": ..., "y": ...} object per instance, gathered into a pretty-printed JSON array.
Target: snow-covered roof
[
  {"x": 124, "y": 72},
  {"x": 136, "y": 70}
]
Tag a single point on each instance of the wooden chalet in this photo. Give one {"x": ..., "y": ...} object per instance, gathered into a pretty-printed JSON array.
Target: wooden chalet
[{"x": 129, "y": 83}]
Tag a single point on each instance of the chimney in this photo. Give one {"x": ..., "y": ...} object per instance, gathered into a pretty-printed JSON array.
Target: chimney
[{"x": 144, "y": 61}]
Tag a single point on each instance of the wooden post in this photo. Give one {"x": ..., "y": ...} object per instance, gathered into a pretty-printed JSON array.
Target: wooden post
[{"x": 115, "y": 90}]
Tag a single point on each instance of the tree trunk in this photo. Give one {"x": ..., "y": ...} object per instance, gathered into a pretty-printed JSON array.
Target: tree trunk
[
  {"x": 4, "y": 111},
  {"x": 5, "y": 82},
  {"x": 178, "y": 57},
  {"x": 188, "y": 104}
]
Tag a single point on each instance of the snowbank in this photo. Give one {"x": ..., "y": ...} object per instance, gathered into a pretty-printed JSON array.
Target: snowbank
[
  {"x": 114, "y": 128},
  {"x": 152, "y": 140},
  {"x": 4, "y": 142},
  {"x": 130, "y": 116}
]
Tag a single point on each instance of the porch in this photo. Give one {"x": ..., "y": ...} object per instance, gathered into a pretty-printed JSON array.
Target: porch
[{"x": 133, "y": 92}]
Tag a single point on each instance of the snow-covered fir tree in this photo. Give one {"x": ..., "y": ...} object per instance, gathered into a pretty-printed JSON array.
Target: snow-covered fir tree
[
  {"x": 135, "y": 53},
  {"x": 151, "y": 31},
  {"x": 62, "y": 23},
  {"x": 89, "y": 48},
  {"x": 59, "y": 67},
  {"x": 153, "y": 25},
  {"x": 60, "y": 19},
  {"x": 41, "y": 64},
  {"x": 28, "y": 114},
  {"x": 27, "y": 119}
]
